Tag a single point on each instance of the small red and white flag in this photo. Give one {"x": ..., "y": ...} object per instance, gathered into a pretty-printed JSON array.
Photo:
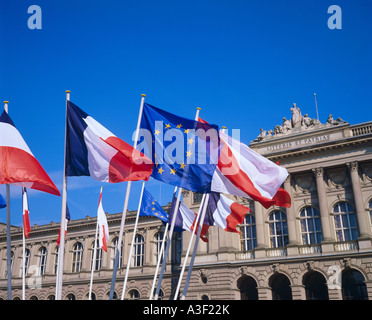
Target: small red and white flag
[
  {"x": 102, "y": 225},
  {"x": 17, "y": 163},
  {"x": 26, "y": 218}
]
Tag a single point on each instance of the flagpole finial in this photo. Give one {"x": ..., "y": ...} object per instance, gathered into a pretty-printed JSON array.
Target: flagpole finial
[
  {"x": 143, "y": 95},
  {"x": 6, "y": 101},
  {"x": 223, "y": 127},
  {"x": 68, "y": 91},
  {"x": 198, "y": 108}
]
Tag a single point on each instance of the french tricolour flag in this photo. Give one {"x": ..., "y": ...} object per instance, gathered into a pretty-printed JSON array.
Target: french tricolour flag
[
  {"x": 102, "y": 225},
  {"x": 17, "y": 163},
  {"x": 92, "y": 150},
  {"x": 243, "y": 172},
  {"x": 224, "y": 212}
]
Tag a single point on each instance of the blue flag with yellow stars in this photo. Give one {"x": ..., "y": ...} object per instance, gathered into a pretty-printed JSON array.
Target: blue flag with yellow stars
[
  {"x": 2, "y": 202},
  {"x": 150, "y": 207},
  {"x": 185, "y": 152}
]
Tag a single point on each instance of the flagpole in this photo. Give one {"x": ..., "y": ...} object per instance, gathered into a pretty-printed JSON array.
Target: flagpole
[
  {"x": 8, "y": 236},
  {"x": 205, "y": 205},
  {"x": 168, "y": 243},
  {"x": 189, "y": 247},
  {"x": 132, "y": 244},
  {"x": 93, "y": 262},
  {"x": 124, "y": 213},
  {"x": 61, "y": 249},
  {"x": 23, "y": 251},
  {"x": 171, "y": 231},
  {"x": 160, "y": 255}
]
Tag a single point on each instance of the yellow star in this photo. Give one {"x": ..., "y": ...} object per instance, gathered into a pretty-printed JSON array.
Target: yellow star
[
  {"x": 182, "y": 166},
  {"x": 160, "y": 170},
  {"x": 153, "y": 202},
  {"x": 179, "y": 125},
  {"x": 186, "y": 131},
  {"x": 173, "y": 171},
  {"x": 167, "y": 126},
  {"x": 153, "y": 208},
  {"x": 188, "y": 153},
  {"x": 190, "y": 141},
  {"x": 157, "y": 132}
]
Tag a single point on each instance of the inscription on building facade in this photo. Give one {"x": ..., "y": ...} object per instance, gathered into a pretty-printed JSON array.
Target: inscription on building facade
[{"x": 298, "y": 143}]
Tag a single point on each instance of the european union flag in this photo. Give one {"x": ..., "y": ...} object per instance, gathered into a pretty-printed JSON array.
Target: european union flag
[
  {"x": 185, "y": 152},
  {"x": 150, "y": 207},
  {"x": 2, "y": 202}
]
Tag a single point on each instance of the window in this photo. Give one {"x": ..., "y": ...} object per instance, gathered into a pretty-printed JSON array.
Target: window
[
  {"x": 27, "y": 260},
  {"x": 345, "y": 222},
  {"x": 77, "y": 257},
  {"x": 71, "y": 296},
  {"x": 134, "y": 295},
  {"x": 158, "y": 242},
  {"x": 248, "y": 233},
  {"x": 278, "y": 229},
  {"x": 11, "y": 263},
  {"x": 138, "y": 255},
  {"x": 98, "y": 263},
  {"x": 197, "y": 197},
  {"x": 115, "y": 244},
  {"x": 42, "y": 260},
  {"x": 311, "y": 231}
]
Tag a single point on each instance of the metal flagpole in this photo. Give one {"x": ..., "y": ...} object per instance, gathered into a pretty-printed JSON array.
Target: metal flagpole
[
  {"x": 160, "y": 256},
  {"x": 316, "y": 106},
  {"x": 168, "y": 244},
  {"x": 123, "y": 217},
  {"x": 171, "y": 231},
  {"x": 189, "y": 248},
  {"x": 23, "y": 249},
  {"x": 94, "y": 260},
  {"x": 61, "y": 249},
  {"x": 132, "y": 244},
  {"x": 8, "y": 235},
  {"x": 184, "y": 292}
]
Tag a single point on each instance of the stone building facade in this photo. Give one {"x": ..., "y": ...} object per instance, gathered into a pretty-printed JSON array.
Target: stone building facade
[{"x": 319, "y": 248}]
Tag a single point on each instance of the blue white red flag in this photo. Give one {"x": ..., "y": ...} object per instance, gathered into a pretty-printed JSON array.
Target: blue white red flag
[
  {"x": 17, "y": 163},
  {"x": 92, "y": 150}
]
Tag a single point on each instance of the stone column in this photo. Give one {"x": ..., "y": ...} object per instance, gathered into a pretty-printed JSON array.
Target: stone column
[
  {"x": 260, "y": 230},
  {"x": 363, "y": 225},
  {"x": 291, "y": 221},
  {"x": 323, "y": 205}
]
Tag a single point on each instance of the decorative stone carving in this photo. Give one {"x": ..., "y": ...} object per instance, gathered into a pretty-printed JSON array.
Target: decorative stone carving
[{"x": 296, "y": 124}]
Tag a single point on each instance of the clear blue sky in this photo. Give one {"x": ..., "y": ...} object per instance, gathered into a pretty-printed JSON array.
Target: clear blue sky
[{"x": 243, "y": 62}]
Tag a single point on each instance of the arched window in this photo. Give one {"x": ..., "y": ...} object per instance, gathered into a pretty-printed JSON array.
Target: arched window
[
  {"x": 248, "y": 288},
  {"x": 278, "y": 229},
  {"x": 311, "y": 230},
  {"x": 51, "y": 297},
  {"x": 42, "y": 260},
  {"x": 98, "y": 263},
  {"x": 345, "y": 222},
  {"x": 115, "y": 244},
  {"x": 77, "y": 257},
  {"x": 71, "y": 296},
  {"x": 280, "y": 287},
  {"x": 11, "y": 263},
  {"x": 134, "y": 295},
  {"x": 315, "y": 286},
  {"x": 158, "y": 240},
  {"x": 353, "y": 286},
  {"x": 139, "y": 247},
  {"x": 248, "y": 233},
  {"x": 34, "y": 298}
]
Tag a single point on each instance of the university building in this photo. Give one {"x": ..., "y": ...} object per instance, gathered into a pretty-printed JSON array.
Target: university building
[{"x": 318, "y": 249}]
